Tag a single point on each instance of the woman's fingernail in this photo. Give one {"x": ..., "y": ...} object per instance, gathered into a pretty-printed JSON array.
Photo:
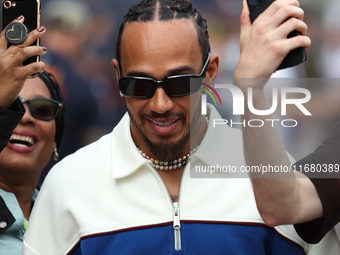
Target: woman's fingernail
[
  {"x": 44, "y": 49},
  {"x": 20, "y": 17},
  {"x": 41, "y": 29}
]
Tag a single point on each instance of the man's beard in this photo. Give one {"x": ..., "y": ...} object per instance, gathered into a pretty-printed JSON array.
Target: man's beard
[{"x": 165, "y": 151}]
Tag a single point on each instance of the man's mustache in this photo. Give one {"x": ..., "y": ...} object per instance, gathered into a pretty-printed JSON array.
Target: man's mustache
[{"x": 166, "y": 115}]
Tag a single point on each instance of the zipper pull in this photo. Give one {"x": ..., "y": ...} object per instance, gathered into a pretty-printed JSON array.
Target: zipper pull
[{"x": 177, "y": 229}]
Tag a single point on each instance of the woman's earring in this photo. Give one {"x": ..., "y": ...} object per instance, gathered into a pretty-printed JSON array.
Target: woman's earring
[{"x": 56, "y": 155}]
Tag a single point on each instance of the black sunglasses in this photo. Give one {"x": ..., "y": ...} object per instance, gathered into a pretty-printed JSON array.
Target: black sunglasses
[
  {"x": 174, "y": 86},
  {"x": 43, "y": 108}
]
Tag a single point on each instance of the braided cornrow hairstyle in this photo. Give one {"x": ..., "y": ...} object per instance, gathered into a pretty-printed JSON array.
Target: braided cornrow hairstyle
[{"x": 166, "y": 10}]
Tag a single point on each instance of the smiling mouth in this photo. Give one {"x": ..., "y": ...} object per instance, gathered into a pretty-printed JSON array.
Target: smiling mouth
[
  {"x": 21, "y": 141},
  {"x": 164, "y": 124}
]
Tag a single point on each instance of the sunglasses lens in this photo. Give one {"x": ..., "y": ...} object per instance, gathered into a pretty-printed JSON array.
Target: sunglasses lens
[
  {"x": 139, "y": 88},
  {"x": 180, "y": 86},
  {"x": 43, "y": 109},
  {"x": 145, "y": 88}
]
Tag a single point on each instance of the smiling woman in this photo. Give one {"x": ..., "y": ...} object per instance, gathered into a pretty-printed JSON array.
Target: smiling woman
[{"x": 29, "y": 149}]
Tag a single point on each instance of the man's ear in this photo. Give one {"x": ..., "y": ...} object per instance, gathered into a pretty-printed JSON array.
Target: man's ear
[
  {"x": 213, "y": 66},
  {"x": 115, "y": 66}
]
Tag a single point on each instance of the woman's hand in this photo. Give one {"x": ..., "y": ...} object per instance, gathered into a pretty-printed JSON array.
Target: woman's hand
[{"x": 12, "y": 73}]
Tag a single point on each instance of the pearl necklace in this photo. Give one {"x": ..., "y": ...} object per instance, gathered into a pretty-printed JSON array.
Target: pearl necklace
[{"x": 172, "y": 164}]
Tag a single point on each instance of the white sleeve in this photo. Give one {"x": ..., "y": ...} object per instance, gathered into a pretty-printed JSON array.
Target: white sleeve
[{"x": 51, "y": 230}]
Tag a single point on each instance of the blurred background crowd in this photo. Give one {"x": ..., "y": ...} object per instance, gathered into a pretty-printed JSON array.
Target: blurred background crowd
[{"x": 81, "y": 38}]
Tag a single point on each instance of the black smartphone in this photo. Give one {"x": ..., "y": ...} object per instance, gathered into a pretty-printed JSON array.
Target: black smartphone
[
  {"x": 11, "y": 9},
  {"x": 295, "y": 57}
]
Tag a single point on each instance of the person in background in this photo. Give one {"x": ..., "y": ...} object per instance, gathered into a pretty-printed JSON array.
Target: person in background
[
  {"x": 31, "y": 128},
  {"x": 30, "y": 147}
]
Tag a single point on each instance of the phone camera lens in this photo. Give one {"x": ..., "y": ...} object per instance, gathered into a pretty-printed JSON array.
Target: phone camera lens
[{"x": 7, "y": 4}]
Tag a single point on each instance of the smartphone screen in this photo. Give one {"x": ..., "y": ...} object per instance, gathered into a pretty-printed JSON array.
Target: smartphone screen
[{"x": 10, "y": 10}]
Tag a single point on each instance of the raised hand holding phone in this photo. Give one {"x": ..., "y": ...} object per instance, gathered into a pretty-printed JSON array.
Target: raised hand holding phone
[
  {"x": 296, "y": 56},
  {"x": 30, "y": 9},
  {"x": 264, "y": 43},
  {"x": 13, "y": 73}
]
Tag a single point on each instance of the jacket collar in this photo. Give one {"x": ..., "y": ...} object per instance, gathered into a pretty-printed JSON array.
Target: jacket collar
[{"x": 125, "y": 156}]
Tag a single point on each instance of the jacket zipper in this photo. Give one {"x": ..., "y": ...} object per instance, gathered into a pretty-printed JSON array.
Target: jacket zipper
[
  {"x": 177, "y": 229},
  {"x": 177, "y": 221}
]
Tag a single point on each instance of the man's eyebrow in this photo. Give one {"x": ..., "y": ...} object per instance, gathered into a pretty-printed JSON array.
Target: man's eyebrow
[
  {"x": 137, "y": 74},
  {"x": 176, "y": 71},
  {"x": 181, "y": 70}
]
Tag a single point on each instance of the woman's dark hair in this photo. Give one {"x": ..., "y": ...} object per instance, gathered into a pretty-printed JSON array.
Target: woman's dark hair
[
  {"x": 166, "y": 10},
  {"x": 55, "y": 91}
]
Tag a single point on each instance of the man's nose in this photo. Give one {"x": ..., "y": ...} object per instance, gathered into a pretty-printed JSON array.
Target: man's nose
[{"x": 160, "y": 102}]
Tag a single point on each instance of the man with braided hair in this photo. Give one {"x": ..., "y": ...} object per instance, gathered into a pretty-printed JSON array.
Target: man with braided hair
[{"x": 131, "y": 191}]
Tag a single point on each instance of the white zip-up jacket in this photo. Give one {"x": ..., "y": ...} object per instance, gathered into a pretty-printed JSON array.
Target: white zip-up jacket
[{"x": 107, "y": 199}]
